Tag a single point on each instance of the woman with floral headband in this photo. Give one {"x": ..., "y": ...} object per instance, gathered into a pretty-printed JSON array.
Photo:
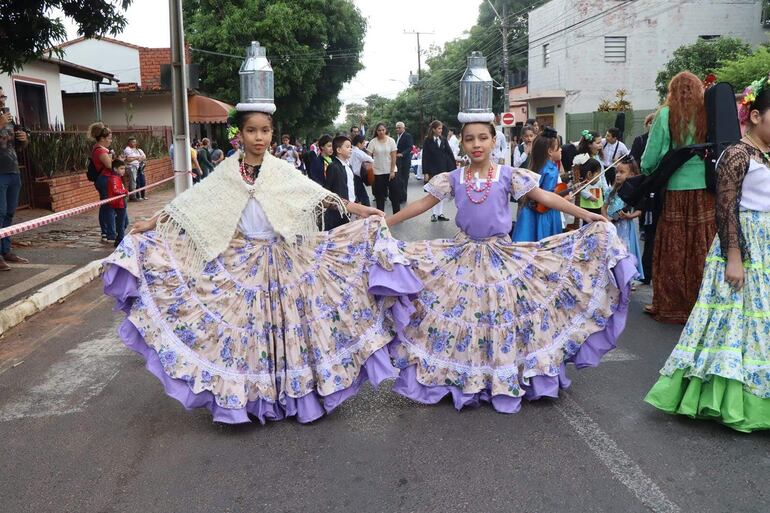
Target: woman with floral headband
[
  {"x": 686, "y": 227},
  {"x": 236, "y": 301},
  {"x": 720, "y": 367}
]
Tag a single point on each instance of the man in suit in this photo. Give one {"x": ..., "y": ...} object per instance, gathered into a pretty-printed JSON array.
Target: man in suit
[
  {"x": 404, "y": 144},
  {"x": 437, "y": 158}
]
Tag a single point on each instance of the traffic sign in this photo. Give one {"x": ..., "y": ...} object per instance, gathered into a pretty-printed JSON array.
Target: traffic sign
[{"x": 507, "y": 119}]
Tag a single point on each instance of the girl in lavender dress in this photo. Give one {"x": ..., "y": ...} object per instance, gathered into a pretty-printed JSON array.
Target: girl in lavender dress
[{"x": 498, "y": 320}]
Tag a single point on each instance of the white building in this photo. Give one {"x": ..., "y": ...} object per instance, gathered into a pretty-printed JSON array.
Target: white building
[
  {"x": 35, "y": 92},
  {"x": 582, "y": 51}
]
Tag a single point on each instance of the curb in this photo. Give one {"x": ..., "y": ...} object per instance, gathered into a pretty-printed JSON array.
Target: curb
[{"x": 48, "y": 295}]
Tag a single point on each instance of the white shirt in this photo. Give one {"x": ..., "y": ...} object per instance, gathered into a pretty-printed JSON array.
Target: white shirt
[
  {"x": 134, "y": 152},
  {"x": 254, "y": 222},
  {"x": 755, "y": 193},
  {"x": 500, "y": 149},
  {"x": 381, "y": 153},
  {"x": 351, "y": 185},
  {"x": 454, "y": 144},
  {"x": 609, "y": 151},
  {"x": 357, "y": 160},
  {"x": 519, "y": 157}
]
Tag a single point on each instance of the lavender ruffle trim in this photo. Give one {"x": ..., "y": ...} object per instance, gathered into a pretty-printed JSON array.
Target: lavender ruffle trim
[
  {"x": 589, "y": 354},
  {"x": 122, "y": 286}
]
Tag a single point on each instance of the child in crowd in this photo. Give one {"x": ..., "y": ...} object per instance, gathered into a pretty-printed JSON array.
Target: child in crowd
[
  {"x": 532, "y": 225},
  {"x": 522, "y": 151},
  {"x": 623, "y": 216},
  {"x": 116, "y": 189},
  {"x": 326, "y": 151},
  {"x": 588, "y": 168}
]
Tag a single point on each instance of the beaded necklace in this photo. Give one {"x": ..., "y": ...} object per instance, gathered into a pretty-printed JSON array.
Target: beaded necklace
[
  {"x": 754, "y": 143},
  {"x": 249, "y": 172},
  {"x": 487, "y": 187}
]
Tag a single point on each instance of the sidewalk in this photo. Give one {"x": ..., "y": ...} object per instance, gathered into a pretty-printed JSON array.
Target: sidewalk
[{"x": 61, "y": 248}]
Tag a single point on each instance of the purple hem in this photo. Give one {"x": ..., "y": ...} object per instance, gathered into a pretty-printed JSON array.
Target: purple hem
[
  {"x": 121, "y": 285},
  {"x": 589, "y": 354}
]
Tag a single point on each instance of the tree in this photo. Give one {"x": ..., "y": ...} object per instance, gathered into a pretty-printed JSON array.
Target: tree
[
  {"x": 356, "y": 114},
  {"x": 314, "y": 46},
  {"x": 742, "y": 72},
  {"x": 701, "y": 58},
  {"x": 30, "y": 29},
  {"x": 437, "y": 91}
]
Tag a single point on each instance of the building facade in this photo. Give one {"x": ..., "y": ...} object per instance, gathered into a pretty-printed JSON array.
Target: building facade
[{"x": 583, "y": 51}]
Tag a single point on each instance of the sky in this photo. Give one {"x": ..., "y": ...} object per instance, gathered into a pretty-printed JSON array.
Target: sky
[{"x": 389, "y": 54}]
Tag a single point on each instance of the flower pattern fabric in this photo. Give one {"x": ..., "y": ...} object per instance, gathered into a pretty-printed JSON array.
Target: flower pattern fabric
[
  {"x": 494, "y": 313},
  {"x": 267, "y": 319}
]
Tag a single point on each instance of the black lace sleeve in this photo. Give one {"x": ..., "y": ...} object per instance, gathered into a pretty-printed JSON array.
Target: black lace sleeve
[{"x": 731, "y": 170}]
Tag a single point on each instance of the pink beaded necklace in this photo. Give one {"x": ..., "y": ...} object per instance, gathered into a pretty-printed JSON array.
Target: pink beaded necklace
[{"x": 484, "y": 190}]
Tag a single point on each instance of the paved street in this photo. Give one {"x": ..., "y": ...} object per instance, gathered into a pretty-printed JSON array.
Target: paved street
[{"x": 85, "y": 428}]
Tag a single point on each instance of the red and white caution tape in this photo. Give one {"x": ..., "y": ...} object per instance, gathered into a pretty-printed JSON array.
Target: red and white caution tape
[{"x": 58, "y": 216}]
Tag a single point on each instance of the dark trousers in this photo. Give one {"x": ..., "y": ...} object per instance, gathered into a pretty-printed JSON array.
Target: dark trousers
[
  {"x": 106, "y": 212},
  {"x": 141, "y": 181},
  {"x": 362, "y": 196},
  {"x": 384, "y": 187},
  {"x": 121, "y": 223},
  {"x": 404, "y": 165},
  {"x": 10, "y": 187},
  {"x": 649, "y": 249}
]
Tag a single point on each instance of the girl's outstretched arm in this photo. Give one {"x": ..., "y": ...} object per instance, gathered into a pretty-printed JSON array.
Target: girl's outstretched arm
[
  {"x": 413, "y": 209},
  {"x": 556, "y": 202}
]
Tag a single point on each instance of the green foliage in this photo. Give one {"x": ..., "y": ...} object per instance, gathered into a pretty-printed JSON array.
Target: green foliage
[
  {"x": 742, "y": 72},
  {"x": 437, "y": 93},
  {"x": 54, "y": 153},
  {"x": 619, "y": 105},
  {"x": 314, "y": 46},
  {"x": 701, "y": 58},
  {"x": 29, "y": 29}
]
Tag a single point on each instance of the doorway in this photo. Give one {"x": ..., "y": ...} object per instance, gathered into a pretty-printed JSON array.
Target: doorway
[{"x": 32, "y": 105}]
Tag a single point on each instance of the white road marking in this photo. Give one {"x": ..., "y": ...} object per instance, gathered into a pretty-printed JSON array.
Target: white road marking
[
  {"x": 619, "y": 355},
  {"x": 614, "y": 458},
  {"x": 51, "y": 272},
  {"x": 69, "y": 384}
]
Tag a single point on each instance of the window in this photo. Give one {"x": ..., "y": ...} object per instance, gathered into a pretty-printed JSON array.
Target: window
[
  {"x": 32, "y": 104},
  {"x": 546, "y": 54},
  {"x": 615, "y": 49}
]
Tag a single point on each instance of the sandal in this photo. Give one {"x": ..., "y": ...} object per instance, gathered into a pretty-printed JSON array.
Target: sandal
[{"x": 648, "y": 309}]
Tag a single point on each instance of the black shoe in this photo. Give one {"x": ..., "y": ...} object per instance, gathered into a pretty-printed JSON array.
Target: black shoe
[
  {"x": 442, "y": 217},
  {"x": 433, "y": 219}
]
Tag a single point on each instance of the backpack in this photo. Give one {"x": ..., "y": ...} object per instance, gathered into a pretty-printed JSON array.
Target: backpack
[{"x": 92, "y": 173}]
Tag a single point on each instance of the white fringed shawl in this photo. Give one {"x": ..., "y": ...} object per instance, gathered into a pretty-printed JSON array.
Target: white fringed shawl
[{"x": 209, "y": 212}]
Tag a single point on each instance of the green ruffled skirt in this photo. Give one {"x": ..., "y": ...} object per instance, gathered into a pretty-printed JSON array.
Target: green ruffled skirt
[{"x": 720, "y": 368}]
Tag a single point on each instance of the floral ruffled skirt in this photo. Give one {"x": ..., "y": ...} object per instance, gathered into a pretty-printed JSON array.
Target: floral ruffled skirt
[
  {"x": 720, "y": 368},
  {"x": 270, "y": 329},
  {"x": 498, "y": 320}
]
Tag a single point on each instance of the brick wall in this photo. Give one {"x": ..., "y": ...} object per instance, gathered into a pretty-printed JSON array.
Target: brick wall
[
  {"x": 150, "y": 61},
  {"x": 63, "y": 192}
]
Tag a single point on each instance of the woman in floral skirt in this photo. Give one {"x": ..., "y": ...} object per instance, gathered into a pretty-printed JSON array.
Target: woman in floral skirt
[
  {"x": 720, "y": 369},
  {"x": 239, "y": 305},
  {"x": 498, "y": 320}
]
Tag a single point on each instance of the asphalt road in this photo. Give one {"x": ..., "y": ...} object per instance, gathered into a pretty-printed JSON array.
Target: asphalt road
[{"x": 85, "y": 428}]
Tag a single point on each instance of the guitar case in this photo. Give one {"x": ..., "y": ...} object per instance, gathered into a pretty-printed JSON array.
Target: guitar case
[{"x": 723, "y": 127}]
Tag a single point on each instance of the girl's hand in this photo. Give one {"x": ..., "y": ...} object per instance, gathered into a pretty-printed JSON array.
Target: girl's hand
[
  {"x": 734, "y": 274},
  {"x": 363, "y": 211},
  {"x": 143, "y": 226},
  {"x": 590, "y": 217}
]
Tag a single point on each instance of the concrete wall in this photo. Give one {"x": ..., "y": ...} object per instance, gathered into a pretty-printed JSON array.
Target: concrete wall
[
  {"x": 39, "y": 73},
  {"x": 148, "y": 110},
  {"x": 654, "y": 29},
  {"x": 120, "y": 60}
]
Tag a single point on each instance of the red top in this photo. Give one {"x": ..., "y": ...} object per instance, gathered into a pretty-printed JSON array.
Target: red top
[
  {"x": 115, "y": 188},
  {"x": 100, "y": 150}
]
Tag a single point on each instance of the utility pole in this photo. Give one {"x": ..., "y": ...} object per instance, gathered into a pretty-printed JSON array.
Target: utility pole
[
  {"x": 419, "y": 78},
  {"x": 180, "y": 116},
  {"x": 506, "y": 84}
]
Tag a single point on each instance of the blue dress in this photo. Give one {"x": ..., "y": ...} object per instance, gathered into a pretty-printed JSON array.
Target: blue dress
[
  {"x": 627, "y": 230},
  {"x": 531, "y": 226}
]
